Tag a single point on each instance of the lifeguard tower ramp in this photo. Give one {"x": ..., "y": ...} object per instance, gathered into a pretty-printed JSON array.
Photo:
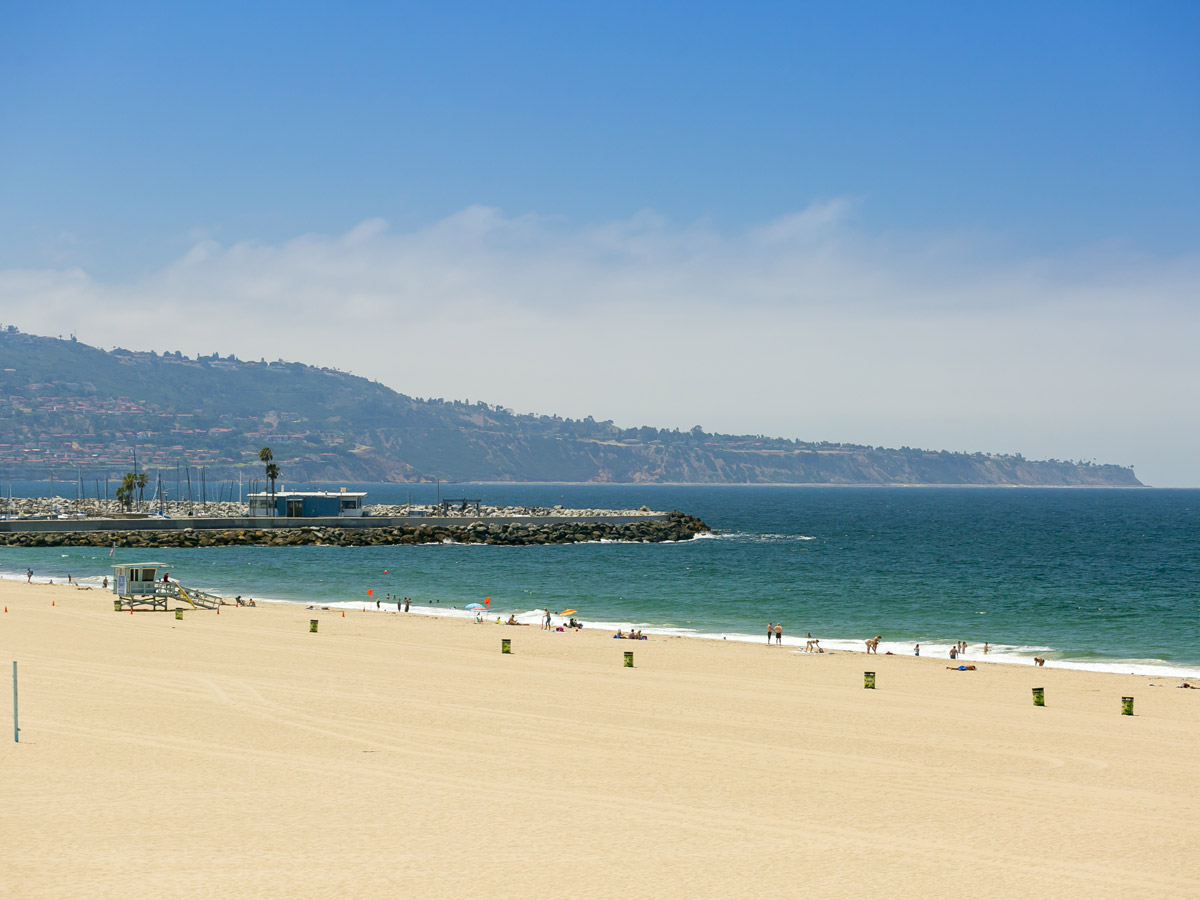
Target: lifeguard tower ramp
[{"x": 138, "y": 586}]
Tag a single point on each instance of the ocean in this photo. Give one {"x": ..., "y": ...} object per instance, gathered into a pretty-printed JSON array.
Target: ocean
[{"x": 1087, "y": 578}]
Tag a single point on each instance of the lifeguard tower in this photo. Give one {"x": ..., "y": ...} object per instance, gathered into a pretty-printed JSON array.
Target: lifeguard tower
[{"x": 137, "y": 585}]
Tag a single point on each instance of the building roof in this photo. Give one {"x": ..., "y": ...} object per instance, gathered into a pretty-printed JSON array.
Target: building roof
[{"x": 279, "y": 494}]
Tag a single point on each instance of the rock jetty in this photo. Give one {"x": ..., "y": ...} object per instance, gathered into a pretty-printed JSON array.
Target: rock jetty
[{"x": 676, "y": 526}]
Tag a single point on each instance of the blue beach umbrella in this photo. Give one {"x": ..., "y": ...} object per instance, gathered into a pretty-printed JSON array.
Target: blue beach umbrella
[{"x": 475, "y": 606}]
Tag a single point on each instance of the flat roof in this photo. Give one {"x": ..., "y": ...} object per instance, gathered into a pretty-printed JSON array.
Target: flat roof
[
  {"x": 279, "y": 494},
  {"x": 150, "y": 565}
]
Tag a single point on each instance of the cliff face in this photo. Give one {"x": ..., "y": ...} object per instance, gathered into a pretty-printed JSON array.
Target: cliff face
[{"x": 65, "y": 406}]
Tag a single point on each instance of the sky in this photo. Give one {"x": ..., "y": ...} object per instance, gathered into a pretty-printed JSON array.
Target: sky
[{"x": 969, "y": 227}]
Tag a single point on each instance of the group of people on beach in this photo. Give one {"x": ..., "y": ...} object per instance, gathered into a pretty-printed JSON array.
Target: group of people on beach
[
  {"x": 632, "y": 636},
  {"x": 775, "y": 629},
  {"x": 959, "y": 649},
  {"x": 402, "y": 603}
]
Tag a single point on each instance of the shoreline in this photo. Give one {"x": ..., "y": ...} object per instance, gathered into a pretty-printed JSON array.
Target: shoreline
[{"x": 1162, "y": 669}]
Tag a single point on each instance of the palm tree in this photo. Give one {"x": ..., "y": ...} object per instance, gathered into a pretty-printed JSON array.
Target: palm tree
[
  {"x": 125, "y": 491},
  {"x": 140, "y": 481},
  {"x": 272, "y": 472}
]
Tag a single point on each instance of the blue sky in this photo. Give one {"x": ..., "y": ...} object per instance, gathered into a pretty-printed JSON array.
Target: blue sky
[{"x": 1009, "y": 192}]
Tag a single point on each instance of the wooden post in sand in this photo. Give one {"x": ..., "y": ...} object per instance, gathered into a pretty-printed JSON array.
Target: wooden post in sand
[
  {"x": 1039, "y": 696},
  {"x": 869, "y": 681},
  {"x": 16, "y": 729},
  {"x": 1126, "y": 702},
  {"x": 312, "y": 625}
]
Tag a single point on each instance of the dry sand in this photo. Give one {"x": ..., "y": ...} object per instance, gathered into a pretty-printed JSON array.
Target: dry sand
[{"x": 239, "y": 755}]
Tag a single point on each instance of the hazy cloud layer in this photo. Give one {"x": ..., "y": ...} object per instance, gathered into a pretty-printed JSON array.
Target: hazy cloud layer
[{"x": 804, "y": 326}]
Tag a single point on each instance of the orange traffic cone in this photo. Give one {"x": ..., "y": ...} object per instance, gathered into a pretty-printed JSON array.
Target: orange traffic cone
[
  {"x": 343, "y": 614},
  {"x": 51, "y": 602}
]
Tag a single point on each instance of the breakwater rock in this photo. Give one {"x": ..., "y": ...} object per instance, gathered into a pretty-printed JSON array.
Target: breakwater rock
[{"x": 677, "y": 526}]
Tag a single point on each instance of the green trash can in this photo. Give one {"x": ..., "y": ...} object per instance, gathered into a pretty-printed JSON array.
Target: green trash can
[
  {"x": 629, "y": 659},
  {"x": 869, "y": 681},
  {"x": 1127, "y": 706},
  {"x": 116, "y": 606},
  {"x": 312, "y": 625},
  {"x": 506, "y": 645},
  {"x": 179, "y": 613},
  {"x": 1039, "y": 696}
]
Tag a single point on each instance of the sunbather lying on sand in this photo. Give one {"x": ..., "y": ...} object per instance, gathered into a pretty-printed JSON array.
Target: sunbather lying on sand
[{"x": 961, "y": 668}]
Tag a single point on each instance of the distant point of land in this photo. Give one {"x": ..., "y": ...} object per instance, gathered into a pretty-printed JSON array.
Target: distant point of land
[{"x": 80, "y": 412}]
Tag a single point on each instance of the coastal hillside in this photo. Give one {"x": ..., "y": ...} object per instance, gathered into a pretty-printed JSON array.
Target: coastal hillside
[{"x": 66, "y": 407}]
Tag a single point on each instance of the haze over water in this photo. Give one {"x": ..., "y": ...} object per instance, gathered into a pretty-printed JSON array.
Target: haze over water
[{"x": 1101, "y": 578}]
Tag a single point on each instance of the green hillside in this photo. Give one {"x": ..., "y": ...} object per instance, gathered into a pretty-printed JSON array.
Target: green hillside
[{"x": 66, "y": 406}]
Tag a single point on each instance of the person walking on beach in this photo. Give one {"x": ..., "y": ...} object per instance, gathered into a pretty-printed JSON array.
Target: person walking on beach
[
  {"x": 407, "y": 604},
  {"x": 779, "y": 633},
  {"x": 917, "y": 650},
  {"x": 29, "y": 576},
  {"x": 770, "y": 631}
]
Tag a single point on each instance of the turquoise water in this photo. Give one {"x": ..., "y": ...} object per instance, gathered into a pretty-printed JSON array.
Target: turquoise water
[{"x": 1098, "y": 578}]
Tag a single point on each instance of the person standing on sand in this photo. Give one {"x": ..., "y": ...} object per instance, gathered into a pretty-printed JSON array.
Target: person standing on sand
[
  {"x": 779, "y": 633},
  {"x": 770, "y": 631},
  {"x": 29, "y": 576},
  {"x": 917, "y": 650}
]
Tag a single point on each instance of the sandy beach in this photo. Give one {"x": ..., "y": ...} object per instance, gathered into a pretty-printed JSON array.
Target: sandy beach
[{"x": 240, "y": 755}]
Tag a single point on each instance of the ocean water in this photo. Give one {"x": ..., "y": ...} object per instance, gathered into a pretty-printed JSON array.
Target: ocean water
[{"x": 1100, "y": 579}]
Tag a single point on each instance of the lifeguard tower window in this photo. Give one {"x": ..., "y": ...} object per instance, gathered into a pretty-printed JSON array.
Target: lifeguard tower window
[
  {"x": 295, "y": 508},
  {"x": 350, "y": 503}
]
